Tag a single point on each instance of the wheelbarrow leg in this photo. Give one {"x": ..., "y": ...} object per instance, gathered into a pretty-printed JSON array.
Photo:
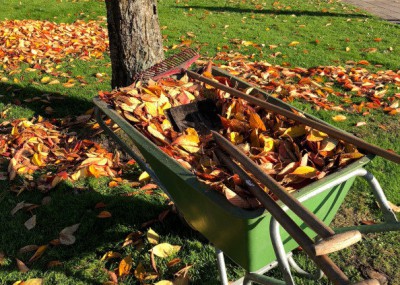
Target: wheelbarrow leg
[
  {"x": 280, "y": 251},
  {"x": 221, "y": 266}
]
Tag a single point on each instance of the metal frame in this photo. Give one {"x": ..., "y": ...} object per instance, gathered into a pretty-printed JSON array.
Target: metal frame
[{"x": 285, "y": 260}]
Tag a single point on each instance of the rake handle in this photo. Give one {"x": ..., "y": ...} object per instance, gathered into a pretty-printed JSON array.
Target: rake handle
[
  {"x": 307, "y": 216},
  {"x": 389, "y": 155},
  {"x": 323, "y": 262}
]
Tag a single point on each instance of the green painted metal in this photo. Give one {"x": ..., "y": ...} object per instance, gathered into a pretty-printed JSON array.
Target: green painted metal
[{"x": 243, "y": 235}]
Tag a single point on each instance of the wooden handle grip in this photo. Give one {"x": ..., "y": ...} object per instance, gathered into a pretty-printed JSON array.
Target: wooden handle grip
[
  {"x": 337, "y": 242},
  {"x": 367, "y": 282}
]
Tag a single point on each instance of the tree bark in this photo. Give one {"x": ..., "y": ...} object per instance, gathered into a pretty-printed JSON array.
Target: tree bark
[{"x": 135, "y": 38}]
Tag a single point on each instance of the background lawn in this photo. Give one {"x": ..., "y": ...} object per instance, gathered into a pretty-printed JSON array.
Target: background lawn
[{"x": 326, "y": 32}]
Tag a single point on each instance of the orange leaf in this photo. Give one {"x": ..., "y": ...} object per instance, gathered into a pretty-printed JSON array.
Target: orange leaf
[
  {"x": 39, "y": 252},
  {"x": 256, "y": 122},
  {"x": 104, "y": 215},
  {"x": 125, "y": 266}
]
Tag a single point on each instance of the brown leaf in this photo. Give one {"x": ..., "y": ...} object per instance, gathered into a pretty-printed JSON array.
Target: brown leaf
[
  {"x": 28, "y": 248},
  {"x": 21, "y": 266}
]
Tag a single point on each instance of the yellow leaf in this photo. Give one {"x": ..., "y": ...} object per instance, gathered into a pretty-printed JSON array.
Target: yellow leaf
[
  {"x": 104, "y": 215},
  {"x": 164, "y": 250},
  {"x": 189, "y": 141},
  {"x": 236, "y": 138},
  {"x": 295, "y": 131},
  {"x": 33, "y": 281},
  {"x": 152, "y": 236},
  {"x": 39, "y": 252},
  {"x": 125, "y": 266},
  {"x": 53, "y": 82},
  {"x": 266, "y": 142},
  {"x": 339, "y": 118},
  {"x": 164, "y": 282},
  {"x": 110, "y": 254},
  {"x": 305, "y": 171},
  {"x": 37, "y": 159},
  {"x": 144, "y": 176},
  {"x": 45, "y": 79},
  {"x": 328, "y": 144},
  {"x": 294, "y": 43},
  {"x": 316, "y": 136}
]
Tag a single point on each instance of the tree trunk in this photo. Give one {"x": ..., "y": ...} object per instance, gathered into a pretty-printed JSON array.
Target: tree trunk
[{"x": 135, "y": 38}]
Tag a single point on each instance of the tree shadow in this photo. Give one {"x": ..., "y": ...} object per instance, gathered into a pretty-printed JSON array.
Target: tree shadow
[
  {"x": 274, "y": 11},
  {"x": 37, "y": 100},
  {"x": 94, "y": 237}
]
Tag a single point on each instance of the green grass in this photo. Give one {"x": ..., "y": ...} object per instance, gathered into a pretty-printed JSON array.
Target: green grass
[{"x": 323, "y": 29}]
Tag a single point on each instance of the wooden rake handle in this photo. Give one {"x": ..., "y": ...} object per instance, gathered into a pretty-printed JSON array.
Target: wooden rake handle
[
  {"x": 333, "y": 132},
  {"x": 322, "y": 261},
  {"x": 334, "y": 243}
]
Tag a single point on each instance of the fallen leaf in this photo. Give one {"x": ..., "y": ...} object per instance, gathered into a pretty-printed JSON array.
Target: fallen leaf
[
  {"x": 294, "y": 43},
  {"x": 67, "y": 235},
  {"x": 104, "y": 215},
  {"x": 28, "y": 248},
  {"x": 21, "y": 266},
  {"x": 33, "y": 281},
  {"x": 144, "y": 176},
  {"x": 305, "y": 171},
  {"x": 164, "y": 250},
  {"x": 38, "y": 253},
  {"x": 339, "y": 118},
  {"x": 394, "y": 207},
  {"x": 30, "y": 223},
  {"x": 152, "y": 236},
  {"x": 125, "y": 266}
]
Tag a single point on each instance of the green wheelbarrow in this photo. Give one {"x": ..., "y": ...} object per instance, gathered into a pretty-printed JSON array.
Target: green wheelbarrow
[{"x": 251, "y": 238}]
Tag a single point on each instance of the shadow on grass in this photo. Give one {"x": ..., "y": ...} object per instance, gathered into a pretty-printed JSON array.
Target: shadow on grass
[
  {"x": 95, "y": 236},
  {"x": 36, "y": 99},
  {"x": 273, "y": 11}
]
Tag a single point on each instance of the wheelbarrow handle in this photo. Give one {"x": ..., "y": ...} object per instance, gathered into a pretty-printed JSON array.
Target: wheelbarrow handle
[
  {"x": 340, "y": 135},
  {"x": 322, "y": 261}
]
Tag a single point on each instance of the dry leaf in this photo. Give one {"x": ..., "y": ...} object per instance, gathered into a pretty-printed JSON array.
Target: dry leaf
[
  {"x": 28, "y": 248},
  {"x": 125, "y": 266},
  {"x": 104, "y": 215},
  {"x": 339, "y": 118},
  {"x": 164, "y": 250},
  {"x": 33, "y": 281},
  {"x": 21, "y": 266},
  {"x": 38, "y": 253},
  {"x": 67, "y": 235},
  {"x": 394, "y": 207},
  {"x": 152, "y": 236},
  {"x": 305, "y": 171},
  {"x": 30, "y": 223}
]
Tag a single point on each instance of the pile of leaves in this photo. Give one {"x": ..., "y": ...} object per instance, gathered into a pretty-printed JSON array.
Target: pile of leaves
[
  {"x": 40, "y": 42},
  {"x": 319, "y": 85},
  {"x": 293, "y": 154},
  {"x": 38, "y": 147}
]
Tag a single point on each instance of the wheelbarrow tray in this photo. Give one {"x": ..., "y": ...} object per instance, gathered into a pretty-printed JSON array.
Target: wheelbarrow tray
[{"x": 243, "y": 235}]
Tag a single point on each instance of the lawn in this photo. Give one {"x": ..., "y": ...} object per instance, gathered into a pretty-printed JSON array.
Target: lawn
[{"x": 286, "y": 33}]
